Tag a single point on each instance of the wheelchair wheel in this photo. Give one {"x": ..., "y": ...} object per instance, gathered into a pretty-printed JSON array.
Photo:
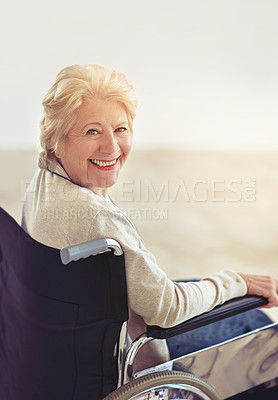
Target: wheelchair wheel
[{"x": 165, "y": 385}]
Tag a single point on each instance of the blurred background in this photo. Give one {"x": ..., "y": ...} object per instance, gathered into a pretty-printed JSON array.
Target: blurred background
[{"x": 201, "y": 184}]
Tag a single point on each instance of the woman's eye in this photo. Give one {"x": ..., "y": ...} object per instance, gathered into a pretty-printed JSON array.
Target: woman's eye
[
  {"x": 92, "y": 132},
  {"x": 122, "y": 130}
]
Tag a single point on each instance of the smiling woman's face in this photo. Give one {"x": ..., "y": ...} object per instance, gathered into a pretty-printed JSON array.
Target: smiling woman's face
[{"x": 97, "y": 145}]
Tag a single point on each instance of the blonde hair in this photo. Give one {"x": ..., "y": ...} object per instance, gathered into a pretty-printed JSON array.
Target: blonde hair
[{"x": 73, "y": 85}]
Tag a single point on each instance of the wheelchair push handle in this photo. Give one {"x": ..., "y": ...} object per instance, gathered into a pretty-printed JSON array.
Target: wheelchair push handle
[
  {"x": 228, "y": 309},
  {"x": 90, "y": 248}
]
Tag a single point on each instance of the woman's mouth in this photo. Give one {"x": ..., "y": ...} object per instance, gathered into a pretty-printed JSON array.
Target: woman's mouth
[{"x": 104, "y": 164}]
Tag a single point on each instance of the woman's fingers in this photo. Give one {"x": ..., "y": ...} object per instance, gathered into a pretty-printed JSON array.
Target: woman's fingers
[{"x": 262, "y": 285}]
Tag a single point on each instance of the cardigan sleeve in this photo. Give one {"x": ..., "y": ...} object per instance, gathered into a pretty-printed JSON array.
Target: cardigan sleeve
[{"x": 151, "y": 294}]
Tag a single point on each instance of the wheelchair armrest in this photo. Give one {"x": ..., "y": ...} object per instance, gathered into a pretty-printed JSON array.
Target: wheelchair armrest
[{"x": 228, "y": 309}]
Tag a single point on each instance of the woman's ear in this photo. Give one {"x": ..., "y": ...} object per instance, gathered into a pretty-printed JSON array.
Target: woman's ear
[
  {"x": 57, "y": 154},
  {"x": 59, "y": 150}
]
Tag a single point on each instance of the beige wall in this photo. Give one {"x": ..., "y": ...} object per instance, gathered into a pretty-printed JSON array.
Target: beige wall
[{"x": 205, "y": 70}]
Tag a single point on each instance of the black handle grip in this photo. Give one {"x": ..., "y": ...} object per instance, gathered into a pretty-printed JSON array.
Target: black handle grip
[{"x": 228, "y": 309}]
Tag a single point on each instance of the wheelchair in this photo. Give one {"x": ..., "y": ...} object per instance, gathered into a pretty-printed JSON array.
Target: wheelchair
[{"x": 63, "y": 327}]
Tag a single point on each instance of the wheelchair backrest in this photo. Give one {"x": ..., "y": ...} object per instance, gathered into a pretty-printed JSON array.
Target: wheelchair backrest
[{"x": 59, "y": 325}]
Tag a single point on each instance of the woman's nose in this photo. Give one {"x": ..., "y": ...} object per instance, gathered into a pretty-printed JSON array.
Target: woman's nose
[{"x": 109, "y": 144}]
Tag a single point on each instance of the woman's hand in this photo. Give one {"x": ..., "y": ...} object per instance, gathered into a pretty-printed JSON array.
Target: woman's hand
[{"x": 262, "y": 285}]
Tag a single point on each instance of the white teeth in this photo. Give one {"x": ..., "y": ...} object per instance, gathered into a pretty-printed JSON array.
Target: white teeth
[{"x": 103, "y": 163}]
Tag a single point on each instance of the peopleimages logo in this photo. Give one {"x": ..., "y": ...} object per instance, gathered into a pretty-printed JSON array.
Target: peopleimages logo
[
  {"x": 168, "y": 191},
  {"x": 143, "y": 199}
]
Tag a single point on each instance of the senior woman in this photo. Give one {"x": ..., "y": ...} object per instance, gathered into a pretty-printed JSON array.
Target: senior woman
[{"x": 86, "y": 137}]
